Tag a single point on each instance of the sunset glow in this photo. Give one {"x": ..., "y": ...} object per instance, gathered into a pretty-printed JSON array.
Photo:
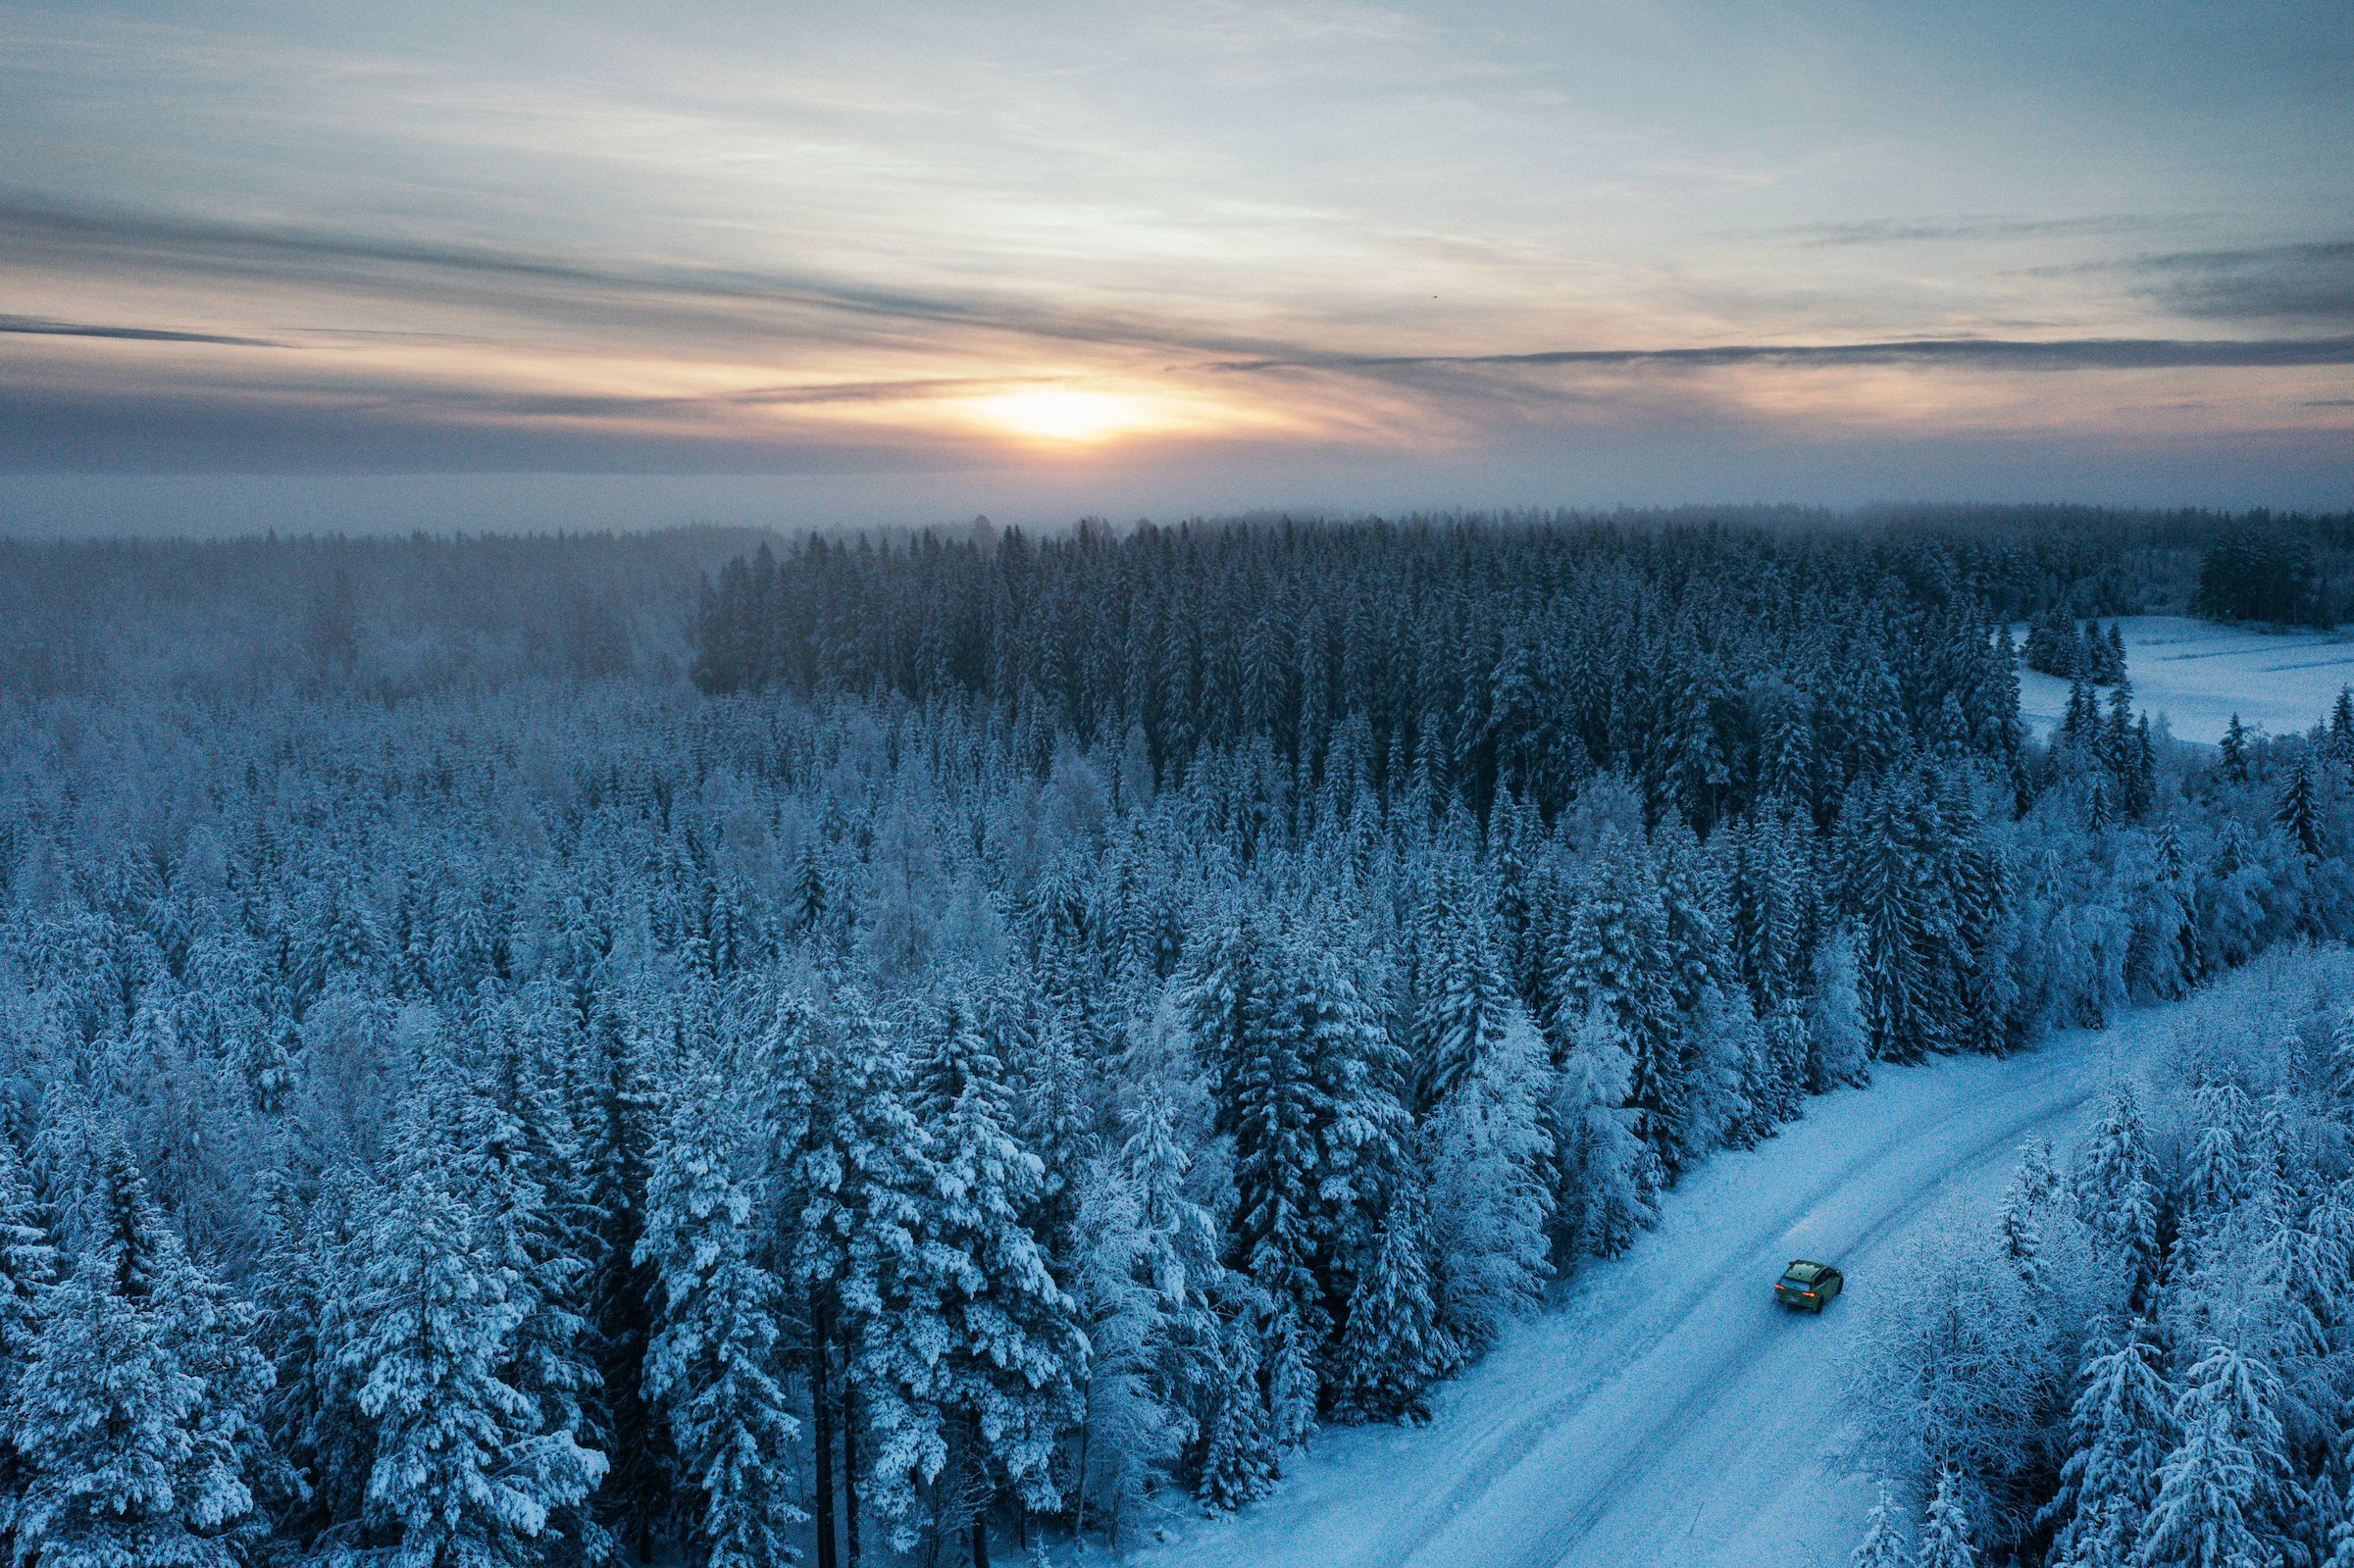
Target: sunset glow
[{"x": 1065, "y": 415}]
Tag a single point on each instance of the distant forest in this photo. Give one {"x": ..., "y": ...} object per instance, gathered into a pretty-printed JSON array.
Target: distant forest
[{"x": 714, "y": 1046}]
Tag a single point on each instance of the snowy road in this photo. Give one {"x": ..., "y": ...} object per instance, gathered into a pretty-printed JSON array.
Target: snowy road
[{"x": 1668, "y": 1411}]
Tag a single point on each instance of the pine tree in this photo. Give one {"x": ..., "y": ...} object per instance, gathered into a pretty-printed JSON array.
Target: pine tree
[
  {"x": 1301, "y": 1079},
  {"x": 850, "y": 1177},
  {"x": 1128, "y": 1431},
  {"x": 517, "y": 1163},
  {"x": 27, "y": 1271},
  {"x": 1945, "y": 1533},
  {"x": 464, "y": 1476},
  {"x": 1611, "y": 957},
  {"x": 2215, "y": 1486},
  {"x": 2116, "y": 1195},
  {"x": 27, "y": 1265},
  {"x": 1899, "y": 927},
  {"x": 619, "y": 1290},
  {"x": 2298, "y": 813},
  {"x": 119, "y": 1466},
  {"x": 992, "y": 1353},
  {"x": 1389, "y": 1346},
  {"x": 1491, "y": 1192},
  {"x": 1239, "y": 1465},
  {"x": 2234, "y": 746},
  {"x": 2119, "y": 1431},
  {"x": 1606, "y": 1175},
  {"x": 1838, "y": 1040},
  {"x": 2220, "y": 1168},
  {"x": 2019, "y": 1221},
  {"x": 714, "y": 1364},
  {"x": 1884, "y": 1545},
  {"x": 1465, "y": 1004}
]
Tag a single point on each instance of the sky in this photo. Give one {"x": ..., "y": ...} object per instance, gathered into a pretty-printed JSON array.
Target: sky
[{"x": 440, "y": 265}]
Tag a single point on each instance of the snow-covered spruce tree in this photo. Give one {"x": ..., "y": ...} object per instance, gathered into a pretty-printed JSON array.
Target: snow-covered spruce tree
[
  {"x": 1305, "y": 1081},
  {"x": 304, "y": 1297},
  {"x": 464, "y": 1474},
  {"x": 2220, "y": 1168},
  {"x": 617, "y": 1292},
  {"x": 28, "y": 1267},
  {"x": 848, "y": 1171},
  {"x": 119, "y": 1466},
  {"x": 1605, "y": 1176},
  {"x": 2221, "y": 1486},
  {"x": 987, "y": 1354},
  {"x": 2119, "y": 1431},
  {"x": 1463, "y": 1005},
  {"x": 1239, "y": 1465},
  {"x": 2116, "y": 1195},
  {"x": 1884, "y": 1545},
  {"x": 1129, "y": 1431},
  {"x": 1945, "y": 1533},
  {"x": 519, "y": 1159},
  {"x": 1613, "y": 957},
  {"x": 1491, "y": 1192},
  {"x": 1390, "y": 1345},
  {"x": 1838, "y": 1040},
  {"x": 1720, "y": 1051},
  {"x": 1901, "y": 933},
  {"x": 2340, "y": 1061},
  {"x": 715, "y": 1364},
  {"x": 2031, "y": 1197},
  {"x": 1187, "y": 1375}
]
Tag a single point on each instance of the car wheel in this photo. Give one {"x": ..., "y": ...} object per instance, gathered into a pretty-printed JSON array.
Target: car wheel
[{"x": 1821, "y": 1302}]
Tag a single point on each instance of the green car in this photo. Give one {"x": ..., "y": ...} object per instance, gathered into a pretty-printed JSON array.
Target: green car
[{"x": 1808, "y": 1286}]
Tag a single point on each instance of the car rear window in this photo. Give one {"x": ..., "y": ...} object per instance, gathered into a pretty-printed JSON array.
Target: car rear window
[{"x": 1795, "y": 1283}]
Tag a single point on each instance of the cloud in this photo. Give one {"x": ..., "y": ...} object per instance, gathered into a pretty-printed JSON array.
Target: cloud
[
  {"x": 42, "y": 327},
  {"x": 2307, "y": 282},
  {"x": 728, "y": 304},
  {"x": 1903, "y": 231},
  {"x": 2047, "y": 354},
  {"x": 2302, "y": 281}
]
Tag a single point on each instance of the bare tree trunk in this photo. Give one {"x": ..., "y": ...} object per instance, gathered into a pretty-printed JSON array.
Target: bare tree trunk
[
  {"x": 821, "y": 1420},
  {"x": 1079, "y": 1486},
  {"x": 980, "y": 1539},
  {"x": 849, "y": 1472}
]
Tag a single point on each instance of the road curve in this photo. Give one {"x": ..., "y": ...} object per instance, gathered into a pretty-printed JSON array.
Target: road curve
[{"x": 1667, "y": 1411}]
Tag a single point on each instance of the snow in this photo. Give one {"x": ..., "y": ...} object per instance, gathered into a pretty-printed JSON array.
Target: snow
[
  {"x": 1667, "y": 1410},
  {"x": 2197, "y": 675}
]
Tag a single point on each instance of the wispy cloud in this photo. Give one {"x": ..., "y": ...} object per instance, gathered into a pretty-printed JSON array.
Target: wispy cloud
[
  {"x": 2051, "y": 354},
  {"x": 43, "y": 326},
  {"x": 1938, "y": 231},
  {"x": 2310, "y": 282}
]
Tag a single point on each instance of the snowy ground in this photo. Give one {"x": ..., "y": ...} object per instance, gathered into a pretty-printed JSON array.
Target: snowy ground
[
  {"x": 2198, "y": 675},
  {"x": 1668, "y": 1412}
]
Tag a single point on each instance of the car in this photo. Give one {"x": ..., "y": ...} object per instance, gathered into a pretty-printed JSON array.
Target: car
[{"x": 1808, "y": 1286}]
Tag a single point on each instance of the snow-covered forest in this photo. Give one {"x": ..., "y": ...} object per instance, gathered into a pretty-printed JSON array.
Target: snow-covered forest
[
  {"x": 513, "y": 1055},
  {"x": 2144, "y": 1358}
]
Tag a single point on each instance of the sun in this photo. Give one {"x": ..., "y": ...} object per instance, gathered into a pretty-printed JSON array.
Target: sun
[{"x": 1066, "y": 414}]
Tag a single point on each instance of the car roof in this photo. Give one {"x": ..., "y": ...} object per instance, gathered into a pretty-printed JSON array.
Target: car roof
[{"x": 1803, "y": 1270}]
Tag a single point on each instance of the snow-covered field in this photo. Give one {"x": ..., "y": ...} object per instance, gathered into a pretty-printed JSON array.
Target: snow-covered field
[
  {"x": 1668, "y": 1412},
  {"x": 2198, "y": 675}
]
